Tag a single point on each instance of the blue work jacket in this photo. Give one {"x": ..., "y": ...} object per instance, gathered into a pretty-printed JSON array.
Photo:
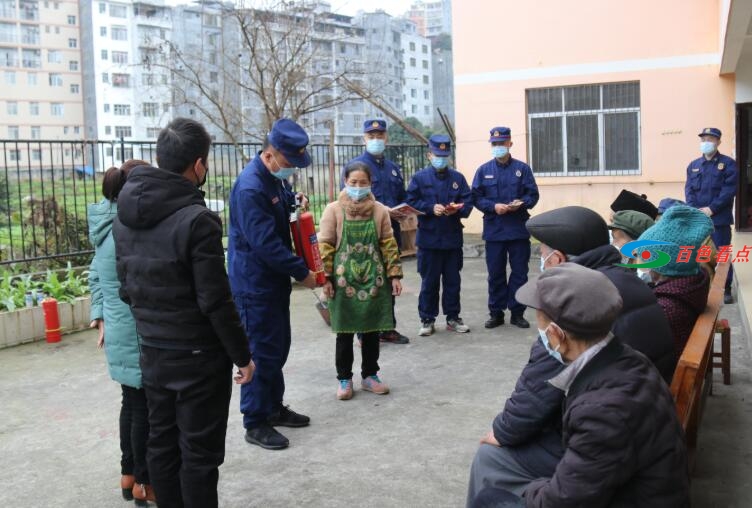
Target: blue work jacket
[
  {"x": 259, "y": 254},
  {"x": 495, "y": 182},
  {"x": 428, "y": 188},
  {"x": 712, "y": 183}
]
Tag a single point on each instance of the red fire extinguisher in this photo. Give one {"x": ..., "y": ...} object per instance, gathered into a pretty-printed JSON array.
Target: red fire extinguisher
[
  {"x": 307, "y": 244},
  {"x": 51, "y": 320}
]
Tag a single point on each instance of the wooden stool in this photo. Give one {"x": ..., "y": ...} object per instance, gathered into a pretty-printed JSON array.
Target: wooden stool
[{"x": 723, "y": 328}]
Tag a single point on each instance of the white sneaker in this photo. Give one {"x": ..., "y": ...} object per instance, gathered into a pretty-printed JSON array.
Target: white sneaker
[
  {"x": 426, "y": 329},
  {"x": 456, "y": 325}
]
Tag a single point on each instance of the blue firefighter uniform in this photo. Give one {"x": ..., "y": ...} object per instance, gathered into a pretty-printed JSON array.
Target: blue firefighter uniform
[
  {"x": 260, "y": 264},
  {"x": 439, "y": 239},
  {"x": 387, "y": 185},
  {"x": 712, "y": 183},
  {"x": 505, "y": 235}
]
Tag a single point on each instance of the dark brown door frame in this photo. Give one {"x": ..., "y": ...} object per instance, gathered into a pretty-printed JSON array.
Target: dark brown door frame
[{"x": 743, "y": 152}]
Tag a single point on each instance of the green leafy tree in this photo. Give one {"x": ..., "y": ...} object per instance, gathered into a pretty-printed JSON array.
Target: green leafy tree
[{"x": 399, "y": 136}]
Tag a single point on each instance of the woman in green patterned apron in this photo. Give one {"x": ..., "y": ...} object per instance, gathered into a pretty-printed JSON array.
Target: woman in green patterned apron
[{"x": 363, "y": 267}]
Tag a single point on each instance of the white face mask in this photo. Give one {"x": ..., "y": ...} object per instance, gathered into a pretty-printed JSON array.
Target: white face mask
[{"x": 644, "y": 275}]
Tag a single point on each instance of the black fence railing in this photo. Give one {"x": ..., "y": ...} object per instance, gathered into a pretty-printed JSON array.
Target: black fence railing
[{"x": 45, "y": 187}]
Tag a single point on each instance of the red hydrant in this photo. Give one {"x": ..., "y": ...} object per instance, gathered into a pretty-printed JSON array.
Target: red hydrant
[{"x": 51, "y": 320}]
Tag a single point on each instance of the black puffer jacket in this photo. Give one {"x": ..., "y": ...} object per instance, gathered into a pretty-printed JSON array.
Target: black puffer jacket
[
  {"x": 532, "y": 414},
  {"x": 642, "y": 324},
  {"x": 171, "y": 266},
  {"x": 624, "y": 445}
]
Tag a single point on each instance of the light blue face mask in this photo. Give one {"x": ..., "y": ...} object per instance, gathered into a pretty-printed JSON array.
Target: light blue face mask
[
  {"x": 553, "y": 352},
  {"x": 284, "y": 173},
  {"x": 707, "y": 147},
  {"x": 357, "y": 193},
  {"x": 543, "y": 261},
  {"x": 499, "y": 151},
  {"x": 439, "y": 162},
  {"x": 375, "y": 146}
]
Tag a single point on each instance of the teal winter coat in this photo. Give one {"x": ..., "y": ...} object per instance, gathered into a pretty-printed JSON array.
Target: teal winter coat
[{"x": 121, "y": 342}]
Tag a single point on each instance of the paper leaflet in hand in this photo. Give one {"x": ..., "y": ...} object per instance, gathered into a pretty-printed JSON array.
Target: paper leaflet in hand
[{"x": 403, "y": 211}]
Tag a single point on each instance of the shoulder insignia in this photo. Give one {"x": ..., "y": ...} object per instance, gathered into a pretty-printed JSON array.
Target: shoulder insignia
[
  {"x": 518, "y": 173},
  {"x": 721, "y": 166},
  {"x": 394, "y": 172},
  {"x": 275, "y": 200},
  {"x": 695, "y": 170},
  {"x": 455, "y": 186}
]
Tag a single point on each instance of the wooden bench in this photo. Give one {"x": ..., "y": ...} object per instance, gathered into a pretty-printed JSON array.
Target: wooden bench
[{"x": 693, "y": 376}]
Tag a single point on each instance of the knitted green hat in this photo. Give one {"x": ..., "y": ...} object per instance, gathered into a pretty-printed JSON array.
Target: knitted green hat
[
  {"x": 683, "y": 226},
  {"x": 631, "y": 222}
]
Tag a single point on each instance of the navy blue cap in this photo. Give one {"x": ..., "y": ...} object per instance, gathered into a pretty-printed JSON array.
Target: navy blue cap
[
  {"x": 440, "y": 144},
  {"x": 667, "y": 203},
  {"x": 500, "y": 134},
  {"x": 711, "y": 131},
  {"x": 291, "y": 140},
  {"x": 374, "y": 124}
]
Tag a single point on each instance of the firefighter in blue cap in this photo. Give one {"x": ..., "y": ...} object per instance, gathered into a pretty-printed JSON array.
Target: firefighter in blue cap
[
  {"x": 504, "y": 189},
  {"x": 260, "y": 264},
  {"x": 442, "y": 194},
  {"x": 711, "y": 187},
  {"x": 387, "y": 186}
]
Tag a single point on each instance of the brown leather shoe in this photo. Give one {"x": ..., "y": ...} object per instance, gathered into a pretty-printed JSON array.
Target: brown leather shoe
[
  {"x": 143, "y": 493},
  {"x": 126, "y": 486}
]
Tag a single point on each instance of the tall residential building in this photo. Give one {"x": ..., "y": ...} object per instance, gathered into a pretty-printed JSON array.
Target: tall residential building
[
  {"x": 417, "y": 87},
  {"x": 384, "y": 61},
  {"x": 41, "y": 92},
  {"x": 127, "y": 69},
  {"x": 215, "y": 58},
  {"x": 443, "y": 84},
  {"x": 432, "y": 17}
]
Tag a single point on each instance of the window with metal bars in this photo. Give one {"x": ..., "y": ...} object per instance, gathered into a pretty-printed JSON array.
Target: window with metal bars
[{"x": 584, "y": 130}]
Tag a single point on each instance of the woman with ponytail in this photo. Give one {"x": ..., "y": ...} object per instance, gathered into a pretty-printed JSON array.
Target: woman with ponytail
[{"x": 118, "y": 336}]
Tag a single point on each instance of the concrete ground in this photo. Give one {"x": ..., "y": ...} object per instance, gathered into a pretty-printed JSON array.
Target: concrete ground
[{"x": 413, "y": 447}]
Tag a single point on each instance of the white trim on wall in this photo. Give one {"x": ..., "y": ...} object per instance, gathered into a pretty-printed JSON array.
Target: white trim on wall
[{"x": 647, "y": 64}]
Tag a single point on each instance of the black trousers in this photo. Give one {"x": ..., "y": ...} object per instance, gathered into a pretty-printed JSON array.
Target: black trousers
[
  {"x": 134, "y": 430},
  {"x": 189, "y": 397},
  {"x": 369, "y": 352}
]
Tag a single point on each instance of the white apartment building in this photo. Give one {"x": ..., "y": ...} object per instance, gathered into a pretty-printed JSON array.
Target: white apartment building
[
  {"x": 417, "y": 80},
  {"x": 126, "y": 67},
  {"x": 40, "y": 86}
]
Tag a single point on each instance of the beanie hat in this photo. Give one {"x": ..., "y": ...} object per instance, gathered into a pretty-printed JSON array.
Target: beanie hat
[
  {"x": 632, "y": 223},
  {"x": 627, "y": 200},
  {"x": 683, "y": 226},
  {"x": 570, "y": 229},
  {"x": 667, "y": 203}
]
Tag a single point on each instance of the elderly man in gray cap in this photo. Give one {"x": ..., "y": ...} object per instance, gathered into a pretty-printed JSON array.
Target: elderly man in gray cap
[
  {"x": 622, "y": 440},
  {"x": 529, "y": 426}
]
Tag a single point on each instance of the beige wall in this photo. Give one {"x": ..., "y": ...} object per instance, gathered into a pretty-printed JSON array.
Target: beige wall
[
  {"x": 503, "y": 48},
  {"x": 55, "y": 31}
]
